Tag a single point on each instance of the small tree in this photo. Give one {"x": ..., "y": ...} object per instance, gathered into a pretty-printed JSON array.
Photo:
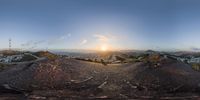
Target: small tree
[
  {"x": 103, "y": 62},
  {"x": 120, "y": 58}
]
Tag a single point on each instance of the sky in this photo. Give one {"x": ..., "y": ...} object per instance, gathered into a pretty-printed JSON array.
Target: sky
[{"x": 100, "y": 24}]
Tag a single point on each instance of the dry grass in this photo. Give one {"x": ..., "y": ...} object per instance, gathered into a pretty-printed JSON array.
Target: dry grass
[
  {"x": 196, "y": 66},
  {"x": 46, "y": 54},
  {"x": 3, "y": 66}
]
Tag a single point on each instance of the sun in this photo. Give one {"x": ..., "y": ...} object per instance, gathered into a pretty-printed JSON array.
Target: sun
[{"x": 104, "y": 48}]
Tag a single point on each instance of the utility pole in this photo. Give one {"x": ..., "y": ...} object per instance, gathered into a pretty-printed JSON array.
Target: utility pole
[{"x": 10, "y": 40}]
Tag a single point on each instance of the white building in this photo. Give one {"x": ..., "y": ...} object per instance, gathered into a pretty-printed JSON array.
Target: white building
[
  {"x": 8, "y": 59},
  {"x": 194, "y": 60}
]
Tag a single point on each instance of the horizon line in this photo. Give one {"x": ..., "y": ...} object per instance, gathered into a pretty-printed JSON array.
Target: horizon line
[{"x": 83, "y": 50}]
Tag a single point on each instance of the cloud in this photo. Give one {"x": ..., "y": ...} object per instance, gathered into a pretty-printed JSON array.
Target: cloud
[
  {"x": 101, "y": 37},
  {"x": 27, "y": 44},
  {"x": 38, "y": 42},
  {"x": 69, "y": 34},
  {"x": 32, "y": 44},
  {"x": 59, "y": 39},
  {"x": 65, "y": 36},
  {"x": 83, "y": 42}
]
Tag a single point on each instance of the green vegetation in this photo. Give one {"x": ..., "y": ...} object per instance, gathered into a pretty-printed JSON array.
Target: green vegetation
[
  {"x": 155, "y": 58},
  {"x": 103, "y": 62},
  {"x": 139, "y": 58},
  {"x": 134, "y": 59},
  {"x": 2, "y": 66},
  {"x": 120, "y": 58},
  {"x": 196, "y": 66},
  {"x": 46, "y": 54},
  {"x": 90, "y": 60},
  {"x": 27, "y": 58},
  {"x": 96, "y": 61}
]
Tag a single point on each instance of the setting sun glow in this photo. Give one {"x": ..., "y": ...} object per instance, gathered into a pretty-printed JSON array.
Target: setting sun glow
[{"x": 104, "y": 48}]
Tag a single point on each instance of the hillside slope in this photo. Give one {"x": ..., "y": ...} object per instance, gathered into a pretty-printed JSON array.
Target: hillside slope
[{"x": 70, "y": 78}]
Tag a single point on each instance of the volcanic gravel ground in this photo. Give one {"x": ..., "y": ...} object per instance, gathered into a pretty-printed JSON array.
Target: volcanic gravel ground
[{"x": 73, "y": 79}]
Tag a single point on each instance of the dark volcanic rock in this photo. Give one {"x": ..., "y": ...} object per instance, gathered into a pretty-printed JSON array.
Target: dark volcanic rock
[
  {"x": 171, "y": 76},
  {"x": 76, "y": 78}
]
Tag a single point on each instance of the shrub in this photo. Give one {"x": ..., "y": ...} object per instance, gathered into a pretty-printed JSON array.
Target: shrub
[
  {"x": 196, "y": 66},
  {"x": 46, "y": 54},
  {"x": 2, "y": 66},
  {"x": 154, "y": 58},
  {"x": 120, "y": 58},
  {"x": 26, "y": 58},
  {"x": 103, "y": 62}
]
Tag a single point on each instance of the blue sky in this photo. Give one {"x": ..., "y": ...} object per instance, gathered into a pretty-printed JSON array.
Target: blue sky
[{"x": 91, "y": 24}]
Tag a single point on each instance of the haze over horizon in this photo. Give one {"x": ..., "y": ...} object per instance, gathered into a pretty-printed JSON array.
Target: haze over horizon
[{"x": 100, "y": 24}]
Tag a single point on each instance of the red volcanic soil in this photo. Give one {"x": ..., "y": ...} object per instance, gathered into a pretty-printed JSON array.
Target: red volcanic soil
[{"x": 69, "y": 78}]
